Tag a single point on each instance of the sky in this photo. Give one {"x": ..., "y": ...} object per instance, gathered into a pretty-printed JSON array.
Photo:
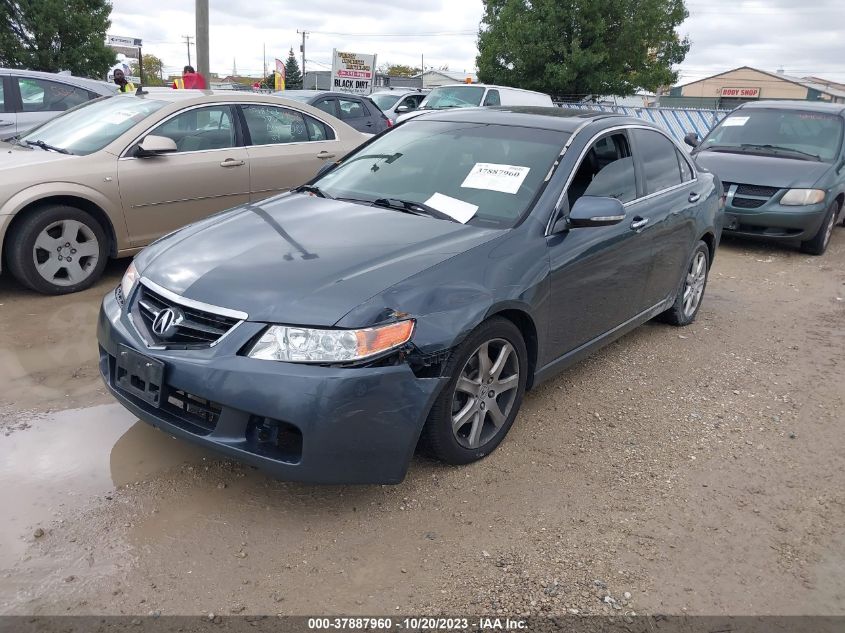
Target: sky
[{"x": 803, "y": 37}]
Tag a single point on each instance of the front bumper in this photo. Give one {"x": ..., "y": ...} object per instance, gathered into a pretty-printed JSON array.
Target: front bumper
[
  {"x": 297, "y": 422},
  {"x": 773, "y": 221}
]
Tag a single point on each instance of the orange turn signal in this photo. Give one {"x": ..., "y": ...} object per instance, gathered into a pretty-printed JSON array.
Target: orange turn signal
[{"x": 379, "y": 339}]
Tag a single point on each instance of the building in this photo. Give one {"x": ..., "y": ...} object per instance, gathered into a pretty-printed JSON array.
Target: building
[
  {"x": 729, "y": 89},
  {"x": 434, "y": 78}
]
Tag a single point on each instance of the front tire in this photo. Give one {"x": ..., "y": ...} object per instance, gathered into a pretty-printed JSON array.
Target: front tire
[
  {"x": 478, "y": 405},
  {"x": 58, "y": 250},
  {"x": 691, "y": 292},
  {"x": 818, "y": 245}
]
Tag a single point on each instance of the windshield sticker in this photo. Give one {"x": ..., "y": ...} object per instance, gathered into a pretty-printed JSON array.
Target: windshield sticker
[
  {"x": 493, "y": 177},
  {"x": 454, "y": 208},
  {"x": 735, "y": 121},
  {"x": 121, "y": 116}
]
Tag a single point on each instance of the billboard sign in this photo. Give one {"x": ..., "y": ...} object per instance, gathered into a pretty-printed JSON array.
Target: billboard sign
[
  {"x": 353, "y": 72},
  {"x": 119, "y": 40}
]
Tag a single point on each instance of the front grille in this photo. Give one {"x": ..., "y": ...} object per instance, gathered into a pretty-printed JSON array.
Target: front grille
[
  {"x": 756, "y": 190},
  {"x": 194, "y": 328},
  {"x": 747, "y": 203},
  {"x": 193, "y": 409}
]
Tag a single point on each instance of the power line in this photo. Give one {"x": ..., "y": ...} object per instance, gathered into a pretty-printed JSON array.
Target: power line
[{"x": 409, "y": 35}]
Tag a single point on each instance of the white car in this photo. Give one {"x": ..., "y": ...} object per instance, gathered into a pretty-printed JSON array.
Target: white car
[
  {"x": 395, "y": 103},
  {"x": 475, "y": 95},
  {"x": 28, "y": 98}
]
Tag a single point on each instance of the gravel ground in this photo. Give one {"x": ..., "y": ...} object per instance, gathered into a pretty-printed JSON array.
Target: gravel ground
[{"x": 695, "y": 470}]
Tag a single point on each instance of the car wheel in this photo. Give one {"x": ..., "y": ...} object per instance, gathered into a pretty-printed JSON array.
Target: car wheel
[
  {"x": 818, "y": 245},
  {"x": 481, "y": 400},
  {"x": 688, "y": 299},
  {"x": 58, "y": 250}
]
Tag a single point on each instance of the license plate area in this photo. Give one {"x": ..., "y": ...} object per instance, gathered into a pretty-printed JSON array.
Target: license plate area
[{"x": 139, "y": 375}]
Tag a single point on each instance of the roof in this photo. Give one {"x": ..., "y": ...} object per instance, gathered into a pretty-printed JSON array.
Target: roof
[
  {"x": 207, "y": 96},
  {"x": 100, "y": 87},
  {"x": 801, "y": 81},
  {"x": 558, "y": 119},
  {"x": 811, "y": 106},
  {"x": 451, "y": 74}
]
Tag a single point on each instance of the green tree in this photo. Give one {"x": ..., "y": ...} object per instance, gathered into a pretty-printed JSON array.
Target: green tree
[
  {"x": 398, "y": 70},
  {"x": 153, "y": 70},
  {"x": 293, "y": 76},
  {"x": 54, "y": 35},
  {"x": 574, "y": 48}
]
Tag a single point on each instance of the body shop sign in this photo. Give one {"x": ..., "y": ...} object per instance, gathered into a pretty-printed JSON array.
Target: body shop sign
[
  {"x": 352, "y": 72},
  {"x": 742, "y": 93}
]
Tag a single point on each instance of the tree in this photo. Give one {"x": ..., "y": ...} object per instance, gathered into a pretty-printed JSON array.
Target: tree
[
  {"x": 574, "y": 48},
  {"x": 153, "y": 70},
  {"x": 398, "y": 70},
  {"x": 293, "y": 77},
  {"x": 54, "y": 35}
]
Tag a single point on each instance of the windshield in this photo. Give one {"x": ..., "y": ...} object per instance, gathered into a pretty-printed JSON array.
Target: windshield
[
  {"x": 453, "y": 97},
  {"x": 484, "y": 175},
  {"x": 385, "y": 101},
  {"x": 92, "y": 126},
  {"x": 788, "y": 133}
]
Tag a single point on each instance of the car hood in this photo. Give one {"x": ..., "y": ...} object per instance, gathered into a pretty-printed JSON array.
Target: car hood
[
  {"x": 12, "y": 156},
  {"x": 767, "y": 171},
  {"x": 302, "y": 260}
]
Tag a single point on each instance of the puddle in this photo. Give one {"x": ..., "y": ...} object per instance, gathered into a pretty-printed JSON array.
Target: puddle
[{"x": 66, "y": 458}]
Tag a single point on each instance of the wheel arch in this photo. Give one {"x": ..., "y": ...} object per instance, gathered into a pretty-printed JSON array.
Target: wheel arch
[
  {"x": 528, "y": 328},
  {"x": 710, "y": 239}
]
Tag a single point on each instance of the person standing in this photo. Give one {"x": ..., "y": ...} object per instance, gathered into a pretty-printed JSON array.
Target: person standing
[
  {"x": 190, "y": 79},
  {"x": 124, "y": 85}
]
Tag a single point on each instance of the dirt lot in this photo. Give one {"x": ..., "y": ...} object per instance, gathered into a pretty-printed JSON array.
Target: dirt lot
[{"x": 699, "y": 470}]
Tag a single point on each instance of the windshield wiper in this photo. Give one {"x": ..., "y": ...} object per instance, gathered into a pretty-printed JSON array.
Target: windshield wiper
[
  {"x": 778, "y": 148},
  {"x": 409, "y": 206},
  {"x": 47, "y": 147},
  {"x": 315, "y": 190}
]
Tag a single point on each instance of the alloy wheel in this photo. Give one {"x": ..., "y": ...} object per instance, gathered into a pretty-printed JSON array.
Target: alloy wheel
[
  {"x": 829, "y": 229},
  {"x": 485, "y": 393},
  {"x": 66, "y": 252},
  {"x": 694, "y": 284}
]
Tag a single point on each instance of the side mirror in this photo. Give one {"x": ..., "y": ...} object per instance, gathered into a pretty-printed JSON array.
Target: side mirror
[
  {"x": 691, "y": 139},
  {"x": 403, "y": 108},
  {"x": 153, "y": 145},
  {"x": 596, "y": 211}
]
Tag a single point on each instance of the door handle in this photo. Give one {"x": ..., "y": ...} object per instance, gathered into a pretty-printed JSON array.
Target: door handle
[
  {"x": 325, "y": 155},
  {"x": 694, "y": 196},
  {"x": 231, "y": 162},
  {"x": 638, "y": 223},
  {"x": 369, "y": 124}
]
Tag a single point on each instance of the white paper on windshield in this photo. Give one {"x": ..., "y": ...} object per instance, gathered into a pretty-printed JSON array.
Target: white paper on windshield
[
  {"x": 735, "y": 121},
  {"x": 454, "y": 208},
  {"x": 493, "y": 177},
  {"x": 116, "y": 118}
]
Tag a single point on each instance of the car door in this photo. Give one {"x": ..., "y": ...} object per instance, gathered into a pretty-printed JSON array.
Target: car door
[
  {"x": 597, "y": 274},
  {"x": 208, "y": 173},
  {"x": 286, "y": 147},
  {"x": 40, "y": 100},
  {"x": 354, "y": 112},
  {"x": 668, "y": 206}
]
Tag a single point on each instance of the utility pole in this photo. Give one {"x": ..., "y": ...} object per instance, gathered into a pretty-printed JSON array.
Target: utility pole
[
  {"x": 302, "y": 50},
  {"x": 422, "y": 70},
  {"x": 264, "y": 54},
  {"x": 188, "y": 39},
  {"x": 202, "y": 39}
]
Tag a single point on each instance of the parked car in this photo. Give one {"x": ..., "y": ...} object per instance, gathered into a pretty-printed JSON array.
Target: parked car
[
  {"x": 475, "y": 95},
  {"x": 396, "y": 102},
  {"x": 111, "y": 176},
  {"x": 421, "y": 286},
  {"x": 781, "y": 163},
  {"x": 28, "y": 98},
  {"x": 355, "y": 110}
]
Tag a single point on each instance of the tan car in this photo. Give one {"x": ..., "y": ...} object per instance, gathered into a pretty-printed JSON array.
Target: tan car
[{"x": 109, "y": 177}]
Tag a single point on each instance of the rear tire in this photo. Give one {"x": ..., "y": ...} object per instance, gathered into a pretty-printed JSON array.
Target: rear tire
[
  {"x": 57, "y": 250},
  {"x": 478, "y": 405},
  {"x": 691, "y": 293},
  {"x": 818, "y": 245}
]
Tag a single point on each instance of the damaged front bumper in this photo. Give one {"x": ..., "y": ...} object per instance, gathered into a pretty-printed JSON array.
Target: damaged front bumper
[{"x": 298, "y": 422}]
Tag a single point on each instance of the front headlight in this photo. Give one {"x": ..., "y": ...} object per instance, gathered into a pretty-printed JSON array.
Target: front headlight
[
  {"x": 130, "y": 277},
  {"x": 802, "y": 197},
  {"x": 311, "y": 345}
]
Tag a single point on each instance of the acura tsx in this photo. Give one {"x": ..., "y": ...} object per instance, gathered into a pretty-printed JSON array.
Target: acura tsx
[{"x": 412, "y": 292}]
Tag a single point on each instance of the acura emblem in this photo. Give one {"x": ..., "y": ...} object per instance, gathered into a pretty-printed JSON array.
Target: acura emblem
[{"x": 167, "y": 321}]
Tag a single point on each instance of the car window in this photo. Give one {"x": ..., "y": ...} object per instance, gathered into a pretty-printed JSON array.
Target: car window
[
  {"x": 494, "y": 172},
  {"x": 40, "y": 95},
  {"x": 492, "y": 98},
  {"x": 317, "y": 130},
  {"x": 686, "y": 170},
  {"x": 453, "y": 97},
  {"x": 269, "y": 125},
  {"x": 659, "y": 159},
  {"x": 384, "y": 100},
  {"x": 350, "y": 109},
  {"x": 607, "y": 170},
  {"x": 200, "y": 129},
  {"x": 327, "y": 105}
]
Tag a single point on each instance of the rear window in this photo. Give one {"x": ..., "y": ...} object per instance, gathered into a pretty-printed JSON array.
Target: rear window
[
  {"x": 788, "y": 133},
  {"x": 385, "y": 101}
]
